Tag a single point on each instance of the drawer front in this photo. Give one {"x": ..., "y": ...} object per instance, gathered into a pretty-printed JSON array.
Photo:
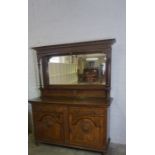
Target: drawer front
[
  {"x": 74, "y": 93},
  {"x": 48, "y": 107},
  {"x": 87, "y": 111}
]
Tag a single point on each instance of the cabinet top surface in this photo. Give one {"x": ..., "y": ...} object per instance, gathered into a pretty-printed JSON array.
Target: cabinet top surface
[{"x": 72, "y": 101}]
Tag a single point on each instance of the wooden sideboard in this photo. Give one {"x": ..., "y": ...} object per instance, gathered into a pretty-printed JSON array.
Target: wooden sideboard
[
  {"x": 70, "y": 122},
  {"x": 74, "y": 115}
]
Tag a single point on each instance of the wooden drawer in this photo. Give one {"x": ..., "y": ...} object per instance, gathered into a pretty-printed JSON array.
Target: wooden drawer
[
  {"x": 48, "y": 107},
  {"x": 73, "y": 93},
  {"x": 91, "y": 111}
]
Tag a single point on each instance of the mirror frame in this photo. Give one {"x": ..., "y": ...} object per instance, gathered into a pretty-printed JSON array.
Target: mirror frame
[{"x": 44, "y": 53}]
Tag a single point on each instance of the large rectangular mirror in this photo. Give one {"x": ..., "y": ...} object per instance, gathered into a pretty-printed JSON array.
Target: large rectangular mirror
[{"x": 77, "y": 69}]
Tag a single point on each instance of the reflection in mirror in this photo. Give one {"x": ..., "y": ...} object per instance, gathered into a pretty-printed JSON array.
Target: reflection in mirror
[{"x": 77, "y": 69}]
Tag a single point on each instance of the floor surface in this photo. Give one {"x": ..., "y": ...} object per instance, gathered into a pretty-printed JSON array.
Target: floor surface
[{"x": 44, "y": 149}]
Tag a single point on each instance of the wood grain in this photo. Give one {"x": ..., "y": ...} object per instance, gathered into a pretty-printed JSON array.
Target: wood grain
[{"x": 73, "y": 115}]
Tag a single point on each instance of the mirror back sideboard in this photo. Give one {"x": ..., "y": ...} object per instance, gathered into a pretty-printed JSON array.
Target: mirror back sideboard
[{"x": 74, "y": 115}]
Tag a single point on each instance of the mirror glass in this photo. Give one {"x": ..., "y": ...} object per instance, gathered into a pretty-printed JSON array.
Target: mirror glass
[{"x": 77, "y": 69}]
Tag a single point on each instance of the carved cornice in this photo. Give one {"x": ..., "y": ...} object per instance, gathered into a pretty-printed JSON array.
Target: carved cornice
[{"x": 98, "y": 46}]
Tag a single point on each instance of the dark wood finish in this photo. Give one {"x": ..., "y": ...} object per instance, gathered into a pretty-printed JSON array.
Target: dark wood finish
[
  {"x": 73, "y": 115},
  {"x": 73, "y": 93},
  {"x": 100, "y": 46},
  {"x": 89, "y": 124},
  {"x": 97, "y": 102},
  {"x": 50, "y": 123},
  {"x": 77, "y": 123}
]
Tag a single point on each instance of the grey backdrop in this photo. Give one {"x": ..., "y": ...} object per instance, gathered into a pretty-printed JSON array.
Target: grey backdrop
[{"x": 65, "y": 21}]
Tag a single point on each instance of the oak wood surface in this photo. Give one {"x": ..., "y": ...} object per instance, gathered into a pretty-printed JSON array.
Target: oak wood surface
[
  {"x": 72, "y": 101},
  {"x": 73, "y": 115},
  {"x": 84, "y": 126}
]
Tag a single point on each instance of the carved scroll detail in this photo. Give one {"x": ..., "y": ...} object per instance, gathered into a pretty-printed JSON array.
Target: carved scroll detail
[{"x": 48, "y": 119}]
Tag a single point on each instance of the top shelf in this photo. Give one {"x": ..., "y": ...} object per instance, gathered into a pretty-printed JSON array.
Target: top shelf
[
  {"x": 96, "y": 42},
  {"x": 89, "y": 47}
]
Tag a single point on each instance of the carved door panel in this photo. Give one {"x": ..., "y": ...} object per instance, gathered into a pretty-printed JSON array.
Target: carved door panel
[
  {"x": 49, "y": 125},
  {"x": 87, "y": 127}
]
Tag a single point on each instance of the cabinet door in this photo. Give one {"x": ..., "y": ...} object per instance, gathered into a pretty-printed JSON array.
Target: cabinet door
[
  {"x": 49, "y": 123},
  {"x": 87, "y": 127}
]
